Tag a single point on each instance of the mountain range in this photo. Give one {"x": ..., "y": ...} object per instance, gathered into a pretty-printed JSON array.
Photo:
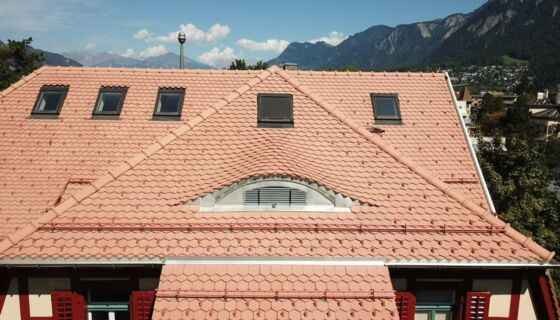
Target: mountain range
[
  {"x": 522, "y": 29},
  {"x": 109, "y": 59}
]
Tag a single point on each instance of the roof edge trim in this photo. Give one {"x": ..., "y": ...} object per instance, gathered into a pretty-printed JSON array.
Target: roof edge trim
[
  {"x": 469, "y": 145},
  {"x": 427, "y": 175},
  {"x": 21, "y": 81}
]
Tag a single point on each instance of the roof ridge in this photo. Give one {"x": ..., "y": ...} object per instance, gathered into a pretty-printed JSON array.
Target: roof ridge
[
  {"x": 361, "y": 73},
  {"x": 152, "y": 70},
  {"x": 115, "y": 172},
  {"x": 426, "y": 174},
  {"x": 21, "y": 81}
]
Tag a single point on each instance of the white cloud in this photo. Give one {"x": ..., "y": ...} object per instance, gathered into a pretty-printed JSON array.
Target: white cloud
[
  {"x": 217, "y": 32},
  {"x": 268, "y": 45},
  {"x": 193, "y": 34},
  {"x": 143, "y": 34},
  {"x": 153, "y": 51},
  {"x": 128, "y": 53},
  {"x": 91, "y": 46},
  {"x": 218, "y": 58},
  {"x": 334, "y": 38}
]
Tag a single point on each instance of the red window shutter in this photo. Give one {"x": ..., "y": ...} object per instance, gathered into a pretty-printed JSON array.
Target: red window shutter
[
  {"x": 477, "y": 305},
  {"x": 68, "y": 305},
  {"x": 549, "y": 295},
  {"x": 406, "y": 305},
  {"x": 141, "y": 304}
]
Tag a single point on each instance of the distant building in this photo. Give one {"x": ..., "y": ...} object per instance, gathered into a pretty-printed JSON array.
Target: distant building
[
  {"x": 464, "y": 103},
  {"x": 546, "y": 113}
]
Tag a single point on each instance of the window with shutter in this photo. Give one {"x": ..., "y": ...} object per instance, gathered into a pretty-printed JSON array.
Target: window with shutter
[
  {"x": 477, "y": 305},
  {"x": 141, "y": 304},
  {"x": 68, "y": 305},
  {"x": 406, "y": 305}
]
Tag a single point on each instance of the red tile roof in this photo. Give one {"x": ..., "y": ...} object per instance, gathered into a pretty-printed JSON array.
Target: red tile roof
[
  {"x": 274, "y": 292},
  {"x": 137, "y": 210}
]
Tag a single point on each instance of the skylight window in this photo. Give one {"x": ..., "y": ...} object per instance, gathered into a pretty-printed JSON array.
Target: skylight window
[
  {"x": 50, "y": 100},
  {"x": 386, "y": 109},
  {"x": 169, "y": 103},
  {"x": 110, "y": 101},
  {"x": 275, "y": 110}
]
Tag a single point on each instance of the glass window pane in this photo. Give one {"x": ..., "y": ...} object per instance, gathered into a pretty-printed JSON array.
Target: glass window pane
[
  {"x": 99, "y": 315},
  {"x": 109, "y": 101},
  {"x": 443, "y": 315},
  {"x": 169, "y": 102},
  {"x": 422, "y": 315},
  {"x": 275, "y": 108},
  {"x": 386, "y": 107},
  {"x": 49, "y": 100},
  {"x": 122, "y": 315}
]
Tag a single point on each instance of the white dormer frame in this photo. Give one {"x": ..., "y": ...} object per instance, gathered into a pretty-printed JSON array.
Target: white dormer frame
[{"x": 231, "y": 198}]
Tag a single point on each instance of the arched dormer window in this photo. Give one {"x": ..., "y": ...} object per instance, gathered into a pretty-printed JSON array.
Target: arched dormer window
[{"x": 275, "y": 194}]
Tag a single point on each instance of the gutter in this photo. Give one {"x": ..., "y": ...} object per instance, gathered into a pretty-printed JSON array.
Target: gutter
[
  {"x": 335, "y": 261},
  {"x": 471, "y": 149},
  {"x": 470, "y": 265},
  {"x": 65, "y": 263}
]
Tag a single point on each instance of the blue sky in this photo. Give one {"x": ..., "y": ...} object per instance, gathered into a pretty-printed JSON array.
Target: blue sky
[{"x": 217, "y": 31}]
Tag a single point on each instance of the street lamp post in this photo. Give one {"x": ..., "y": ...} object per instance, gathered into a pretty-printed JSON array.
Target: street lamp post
[{"x": 182, "y": 38}]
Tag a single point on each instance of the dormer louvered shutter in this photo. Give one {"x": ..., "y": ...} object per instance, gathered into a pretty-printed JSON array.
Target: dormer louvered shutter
[
  {"x": 275, "y": 195},
  {"x": 68, "y": 305},
  {"x": 141, "y": 304},
  {"x": 406, "y": 305},
  {"x": 477, "y": 305}
]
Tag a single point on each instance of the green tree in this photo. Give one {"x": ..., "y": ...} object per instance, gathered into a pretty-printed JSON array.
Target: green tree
[
  {"x": 518, "y": 120},
  {"x": 17, "y": 61},
  {"x": 238, "y": 64},
  {"x": 492, "y": 110},
  {"x": 552, "y": 158},
  {"x": 260, "y": 65},
  {"x": 519, "y": 182}
]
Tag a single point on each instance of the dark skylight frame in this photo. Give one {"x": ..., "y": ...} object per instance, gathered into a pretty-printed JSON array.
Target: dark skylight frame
[
  {"x": 166, "y": 98},
  {"x": 50, "y": 100},
  {"x": 386, "y": 108},
  {"x": 107, "y": 96},
  {"x": 275, "y": 110}
]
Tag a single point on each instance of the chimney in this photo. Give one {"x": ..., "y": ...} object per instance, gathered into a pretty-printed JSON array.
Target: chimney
[
  {"x": 182, "y": 38},
  {"x": 558, "y": 94},
  {"x": 290, "y": 66}
]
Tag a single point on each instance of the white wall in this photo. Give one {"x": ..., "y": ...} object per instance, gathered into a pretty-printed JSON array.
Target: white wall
[
  {"x": 10, "y": 310},
  {"x": 40, "y": 303},
  {"x": 526, "y": 307},
  {"x": 501, "y": 295}
]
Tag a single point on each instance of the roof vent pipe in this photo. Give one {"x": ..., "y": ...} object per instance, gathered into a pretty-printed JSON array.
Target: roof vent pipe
[{"x": 182, "y": 38}]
